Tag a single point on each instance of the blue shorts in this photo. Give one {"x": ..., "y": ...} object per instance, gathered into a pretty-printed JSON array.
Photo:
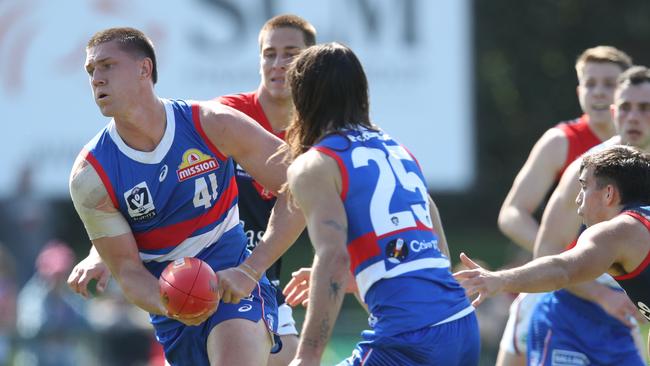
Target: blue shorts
[
  {"x": 455, "y": 343},
  {"x": 186, "y": 345},
  {"x": 565, "y": 330}
]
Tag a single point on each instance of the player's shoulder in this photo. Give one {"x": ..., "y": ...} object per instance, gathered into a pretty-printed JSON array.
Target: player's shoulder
[
  {"x": 620, "y": 230},
  {"x": 311, "y": 166},
  {"x": 84, "y": 179},
  {"x": 217, "y": 114},
  {"x": 554, "y": 137}
]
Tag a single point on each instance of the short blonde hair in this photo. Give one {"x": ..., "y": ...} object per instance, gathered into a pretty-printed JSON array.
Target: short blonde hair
[
  {"x": 290, "y": 21},
  {"x": 603, "y": 54}
]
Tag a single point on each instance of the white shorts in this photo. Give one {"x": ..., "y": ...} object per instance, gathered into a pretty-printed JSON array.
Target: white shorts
[
  {"x": 516, "y": 332},
  {"x": 286, "y": 323}
]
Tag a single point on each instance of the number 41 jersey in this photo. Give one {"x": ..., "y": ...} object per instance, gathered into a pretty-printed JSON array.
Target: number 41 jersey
[
  {"x": 180, "y": 198},
  {"x": 401, "y": 273}
]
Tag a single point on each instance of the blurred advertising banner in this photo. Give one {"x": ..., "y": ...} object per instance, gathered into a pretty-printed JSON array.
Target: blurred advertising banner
[{"x": 417, "y": 54}]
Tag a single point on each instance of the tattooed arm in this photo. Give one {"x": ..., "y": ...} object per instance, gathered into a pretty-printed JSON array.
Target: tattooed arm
[{"x": 315, "y": 183}]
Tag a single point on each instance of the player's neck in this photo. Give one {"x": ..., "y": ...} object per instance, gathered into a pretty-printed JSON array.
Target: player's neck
[
  {"x": 143, "y": 127},
  {"x": 277, "y": 110},
  {"x": 602, "y": 129}
]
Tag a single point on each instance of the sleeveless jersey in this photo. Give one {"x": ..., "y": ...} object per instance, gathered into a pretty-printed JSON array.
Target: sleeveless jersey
[
  {"x": 255, "y": 202},
  {"x": 580, "y": 137},
  {"x": 180, "y": 198},
  {"x": 637, "y": 282},
  {"x": 400, "y": 271}
]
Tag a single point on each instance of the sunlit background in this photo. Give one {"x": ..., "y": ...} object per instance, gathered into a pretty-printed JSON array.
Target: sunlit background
[{"x": 467, "y": 85}]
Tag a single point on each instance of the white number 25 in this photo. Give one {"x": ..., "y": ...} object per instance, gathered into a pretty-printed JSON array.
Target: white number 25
[{"x": 391, "y": 166}]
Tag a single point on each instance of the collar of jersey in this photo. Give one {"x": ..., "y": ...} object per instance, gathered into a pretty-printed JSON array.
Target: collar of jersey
[{"x": 148, "y": 157}]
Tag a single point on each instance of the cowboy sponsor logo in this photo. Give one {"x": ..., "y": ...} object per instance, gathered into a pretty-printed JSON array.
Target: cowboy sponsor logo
[{"x": 195, "y": 163}]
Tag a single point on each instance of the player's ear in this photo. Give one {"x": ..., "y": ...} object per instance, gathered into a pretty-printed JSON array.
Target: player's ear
[
  {"x": 146, "y": 68},
  {"x": 611, "y": 195}
]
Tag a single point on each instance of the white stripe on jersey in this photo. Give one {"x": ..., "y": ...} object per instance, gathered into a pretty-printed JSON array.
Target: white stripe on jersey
[
  {"x": 377, "y": 271},
  {"x": 191, "y": 246}
]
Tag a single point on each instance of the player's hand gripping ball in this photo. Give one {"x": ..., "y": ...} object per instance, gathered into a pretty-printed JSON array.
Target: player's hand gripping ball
[{"x": 188, "y": 288}]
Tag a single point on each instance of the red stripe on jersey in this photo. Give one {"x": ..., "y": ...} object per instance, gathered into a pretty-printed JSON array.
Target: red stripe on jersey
[
  {"x": 172, "y": 235},
  {"x": 418, "y": 226},
  {"x": 646, "y": 260},
  {"x": 362, "y": 249},
  {"x": 89, "y": 157},
  {"x": 365, "y": 247},
  {"x": 344, "y": 172},
  {"x": 196, "y": 117}
]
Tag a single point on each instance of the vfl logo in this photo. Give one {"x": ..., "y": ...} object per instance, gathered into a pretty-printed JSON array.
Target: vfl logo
[
  {"x": 396, "y": 251},
  {"x": 195, "y": 163},
  {"x": 139, "y": 202}
]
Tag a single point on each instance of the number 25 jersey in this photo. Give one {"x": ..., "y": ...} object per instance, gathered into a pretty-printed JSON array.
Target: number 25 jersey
[{"x": 401, "y": 273}]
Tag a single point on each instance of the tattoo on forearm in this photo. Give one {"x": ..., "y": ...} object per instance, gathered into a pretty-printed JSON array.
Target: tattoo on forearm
[
  {"x": 323, "y": 334},
  {"x": 310, "y": 342},
  {"x": 334, "y": 224},
  {"x": 335, "y": 289},
  {"x": 325, "y": 328}
]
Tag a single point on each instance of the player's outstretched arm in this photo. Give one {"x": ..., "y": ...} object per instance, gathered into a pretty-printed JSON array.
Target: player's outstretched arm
[
  {"x": 315, "y": 183},
  {"x": 254, "y": 148},
  {"x": 530, "y": 187},
  {"x": 586, "y": 261}
]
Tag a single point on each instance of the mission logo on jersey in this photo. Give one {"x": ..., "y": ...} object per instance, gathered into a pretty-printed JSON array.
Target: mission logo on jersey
[{"x": 195, "y": 163}]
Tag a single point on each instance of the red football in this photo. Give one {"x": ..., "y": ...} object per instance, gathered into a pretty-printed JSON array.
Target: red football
[{"x": 188, "y": 287}]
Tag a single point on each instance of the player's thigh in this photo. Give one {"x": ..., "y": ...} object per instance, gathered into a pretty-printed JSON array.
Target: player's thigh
[
  {"x": 289, "y": 336},
  {"x": 239, "y": 342},
  {"x": 505, "y": 358},
  {"x": 287, "y": 353}
]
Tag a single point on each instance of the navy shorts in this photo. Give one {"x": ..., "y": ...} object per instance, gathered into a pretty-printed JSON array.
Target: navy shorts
[
  {"x": 567, "y": 330},
  {"x": 455, "y": 343},
  {"x": 187, "y": 345}
]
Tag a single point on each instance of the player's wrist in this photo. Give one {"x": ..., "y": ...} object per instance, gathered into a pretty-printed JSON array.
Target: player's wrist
[
  {"x": 246, "y": 274},
  {"x": 250, "y": 271}
]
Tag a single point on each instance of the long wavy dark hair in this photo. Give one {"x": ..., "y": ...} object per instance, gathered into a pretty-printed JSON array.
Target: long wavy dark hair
[{"x": 330, "y": 92}]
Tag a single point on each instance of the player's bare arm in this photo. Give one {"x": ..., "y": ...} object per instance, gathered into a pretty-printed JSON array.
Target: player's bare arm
[
  {"x": 100, "y": 219},
  {"x": 560, "y": 222},
  {"x": 236, "y": 135},
  {"x": 315, "y": 183},
  {"x": 596, "y": 251},
  {"x": 530, "y": 187}
]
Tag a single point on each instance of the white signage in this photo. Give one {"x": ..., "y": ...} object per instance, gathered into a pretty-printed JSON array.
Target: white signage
[{"x": 416, "y": 54}]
